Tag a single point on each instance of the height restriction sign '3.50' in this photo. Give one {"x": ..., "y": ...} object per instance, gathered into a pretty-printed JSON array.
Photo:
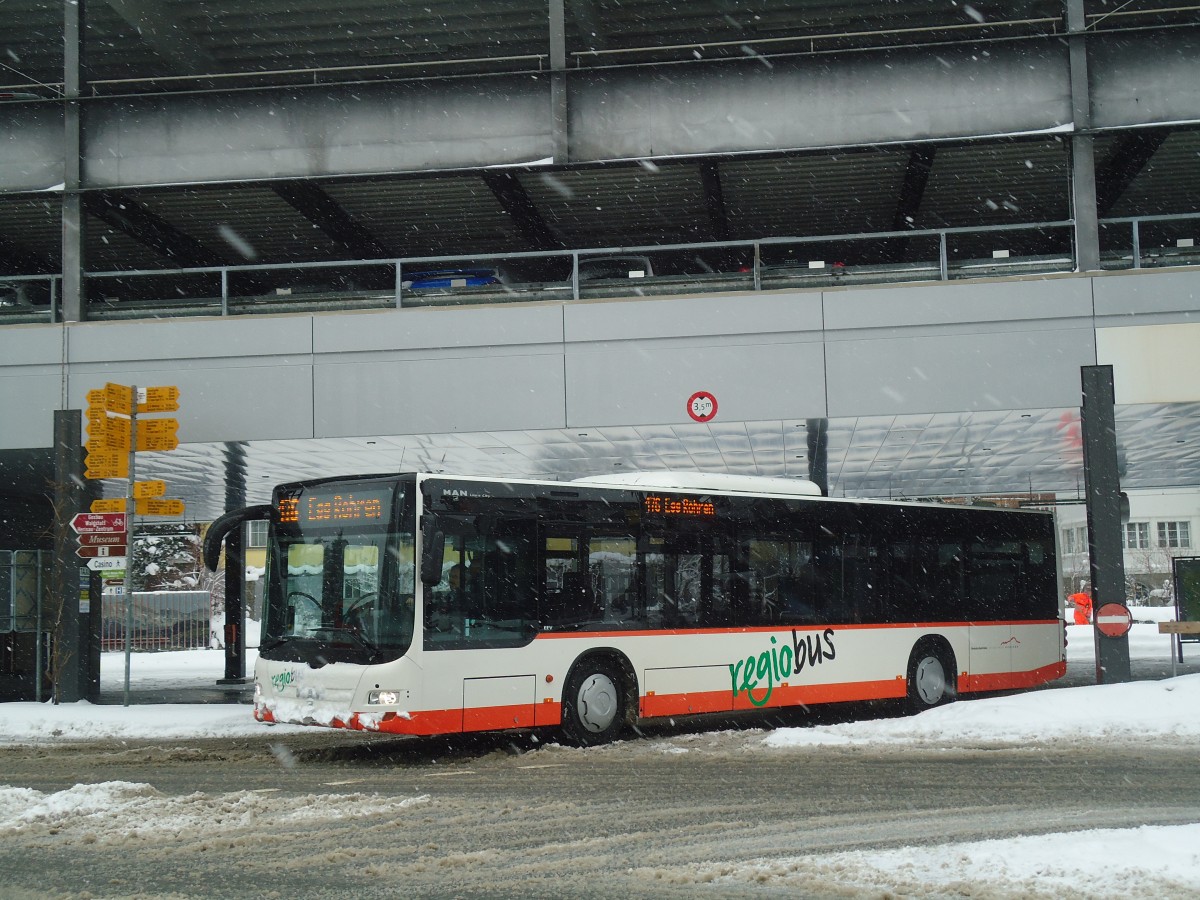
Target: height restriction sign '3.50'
[{"x": 702, "y": 406}]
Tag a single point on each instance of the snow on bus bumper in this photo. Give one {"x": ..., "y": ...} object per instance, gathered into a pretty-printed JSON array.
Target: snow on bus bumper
[
  {"x": 419, "y": 724},
  {"x": 388, "y": 722},
  {"x": 289, "y": 693},
  {"x": 302, "y": 711}
]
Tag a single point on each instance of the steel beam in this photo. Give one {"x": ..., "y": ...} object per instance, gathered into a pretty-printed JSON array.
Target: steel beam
[
  {"x": 122, "y": 212},
  {"x": 515, "y": 200},
  {"x": 1130, "y": 154},
  {"x": 714, "y": 199},
  {"x": 630, "y": 112},
  {"x": 312, "y": 202},
  {"x": 912, "y": 192}
]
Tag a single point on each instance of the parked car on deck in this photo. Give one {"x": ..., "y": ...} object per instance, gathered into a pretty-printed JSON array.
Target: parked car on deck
[
  {"x": 445, "y": 279},
  {"x": 596, "y": 268}
]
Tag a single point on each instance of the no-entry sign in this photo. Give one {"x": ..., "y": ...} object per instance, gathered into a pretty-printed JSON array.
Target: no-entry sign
[{"x": 1114, "y": 620}]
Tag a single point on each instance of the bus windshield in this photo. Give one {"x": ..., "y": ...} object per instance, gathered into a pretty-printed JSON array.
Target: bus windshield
[{"x": 340, "y": 575}]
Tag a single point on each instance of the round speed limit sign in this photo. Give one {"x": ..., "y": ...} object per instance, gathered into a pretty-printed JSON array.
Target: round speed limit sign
[{"x": 702, "y": 406}]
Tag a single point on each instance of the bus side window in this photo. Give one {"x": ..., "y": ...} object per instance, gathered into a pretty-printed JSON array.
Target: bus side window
[
  {"x": 577, "y": 599},
  {"x": 612, "y": 571}
]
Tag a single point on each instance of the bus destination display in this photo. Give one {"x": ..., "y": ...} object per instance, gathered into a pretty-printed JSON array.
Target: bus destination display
[
  {"x": 677, "y": 506},
  {"x": 324, "y": 508}
]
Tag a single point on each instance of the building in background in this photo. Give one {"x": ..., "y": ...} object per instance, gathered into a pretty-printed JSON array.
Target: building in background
[{"x": 1162, "y": 525}]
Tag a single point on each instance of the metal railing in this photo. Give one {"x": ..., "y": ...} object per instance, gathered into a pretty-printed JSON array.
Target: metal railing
[
  {"x": 816, "y": 261},
  {"x": 162, "y": 620}
]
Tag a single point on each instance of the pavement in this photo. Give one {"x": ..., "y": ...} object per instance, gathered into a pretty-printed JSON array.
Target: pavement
[
  {"x": 209, "y": 692},
  {"x": 1084, "y": 673}
]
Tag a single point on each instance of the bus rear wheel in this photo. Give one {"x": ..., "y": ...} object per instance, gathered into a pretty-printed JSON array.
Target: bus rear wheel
[
  {"x": 931, "y": 676},
  {"x": 594, "y": 703}
]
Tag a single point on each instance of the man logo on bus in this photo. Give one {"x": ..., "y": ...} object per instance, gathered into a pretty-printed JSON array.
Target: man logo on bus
[{"x": 778, "y": 663}]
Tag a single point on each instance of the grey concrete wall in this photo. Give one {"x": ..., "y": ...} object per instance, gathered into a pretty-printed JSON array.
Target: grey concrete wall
[
  {"x": 961, "y": 347},
  {"x": 1164, "y": 298},
  {"x": 430, "y": 370},
  {"x": 32, "y": 377},
  {"x": 638, "y": 363},
  {"x": 236, "y": 377},
  {"x": 785, "y": 355}
]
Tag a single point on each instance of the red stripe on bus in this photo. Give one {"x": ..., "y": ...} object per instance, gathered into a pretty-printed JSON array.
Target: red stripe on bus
[{"x": 1008, "y": 681}]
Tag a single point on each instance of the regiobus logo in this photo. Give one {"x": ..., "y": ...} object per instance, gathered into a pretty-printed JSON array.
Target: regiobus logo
[
  {"x": 281, "y": 680},
  {"x": 778, "y": 663}
]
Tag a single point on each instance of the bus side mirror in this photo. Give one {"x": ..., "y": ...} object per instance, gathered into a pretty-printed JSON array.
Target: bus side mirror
[
  {"x": 433, "y": 552},
  {"x": 218, "y": 530}
]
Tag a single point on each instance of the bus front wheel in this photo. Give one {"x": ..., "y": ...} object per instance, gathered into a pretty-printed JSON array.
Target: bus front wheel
[
  {"x": 594, "y": 703},
  {"x": 931, "y": 676}
]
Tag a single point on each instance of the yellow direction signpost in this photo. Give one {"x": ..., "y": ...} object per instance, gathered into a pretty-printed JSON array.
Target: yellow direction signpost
[
  {"x": 158, "y": 507},
  {"x": 118, "y": 398},
  {"x": 158, "y": 399},
  {"x": 158, "y": 434},
  {"x": 107, "y": 464},
  {"x": 115, "y": 437},
  {"x": 115, "y": 430},
  {"x": 144, "y": 490}
]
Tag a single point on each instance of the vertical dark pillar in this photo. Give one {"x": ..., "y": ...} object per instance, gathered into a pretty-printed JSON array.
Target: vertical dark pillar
[
  {"x": 72, "y": 206},
  {"x": 235, "y": 569},
  {"x": 558, "y": 81},
  {"x": 69, "y": 579},
  {"x": 1083, "y": 162},
  {"x": 818, "y": 454},
  {"x": 1103, "y": 493}
]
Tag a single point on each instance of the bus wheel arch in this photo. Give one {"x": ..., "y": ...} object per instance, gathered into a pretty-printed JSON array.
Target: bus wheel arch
[
  {"x": 932, "y": 674},
  {"x": 599, "y": 698}
]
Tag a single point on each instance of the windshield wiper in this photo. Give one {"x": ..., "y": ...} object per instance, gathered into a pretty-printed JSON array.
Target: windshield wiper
[{"x": 375, "y": 650}]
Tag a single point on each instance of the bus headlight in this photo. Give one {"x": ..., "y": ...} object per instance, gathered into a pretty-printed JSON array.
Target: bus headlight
[{"x": 383, "y": 698}]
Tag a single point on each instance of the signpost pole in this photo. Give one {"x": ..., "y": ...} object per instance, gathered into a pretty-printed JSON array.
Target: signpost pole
[{"x": 130, "y": 518}]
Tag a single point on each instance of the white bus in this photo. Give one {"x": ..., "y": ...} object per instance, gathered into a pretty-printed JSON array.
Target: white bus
[{"x": 420, "y": 604}]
